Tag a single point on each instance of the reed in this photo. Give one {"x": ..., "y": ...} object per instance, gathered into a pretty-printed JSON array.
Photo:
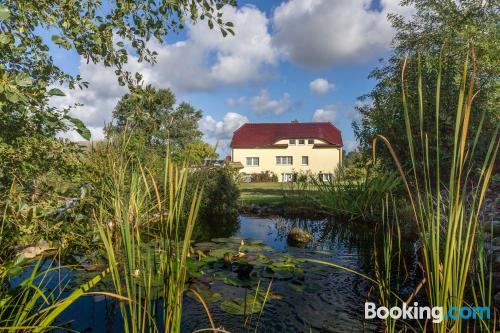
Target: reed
[
  {"x": 146, "y": 223},
  {"x": 446, "y": 215},
  {"x": 355, "y": 199}
]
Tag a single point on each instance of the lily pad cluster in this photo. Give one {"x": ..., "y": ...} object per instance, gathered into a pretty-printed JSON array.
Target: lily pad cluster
[{"x": 237, "y": 262}]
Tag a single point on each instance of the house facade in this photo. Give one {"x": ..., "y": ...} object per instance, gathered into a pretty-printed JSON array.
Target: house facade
[{"x": 288, "y": 149}]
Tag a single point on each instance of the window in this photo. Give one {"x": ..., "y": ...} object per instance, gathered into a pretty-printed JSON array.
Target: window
[
  {"x": 302, "y": 141},
  {"x": 305, "y": 160},
  {"x": 252, "y": 161},
  {"x": 325, "y": 177},
  {"x": 291, "y": 141},
  {"x": 286, "y": 177},
  {"x": 310, "y": 141},
  {"x": 284, "y": 160}
]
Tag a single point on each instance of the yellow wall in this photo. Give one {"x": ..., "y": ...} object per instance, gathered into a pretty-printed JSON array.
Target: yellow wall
[{"x": 324, "y": 160}]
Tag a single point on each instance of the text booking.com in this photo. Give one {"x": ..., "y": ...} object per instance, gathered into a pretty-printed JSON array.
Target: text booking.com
[{"x": 436, "y": 314}]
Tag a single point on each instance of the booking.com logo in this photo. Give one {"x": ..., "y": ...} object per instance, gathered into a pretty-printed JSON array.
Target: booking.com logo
[{"x": 436, "y": 313}]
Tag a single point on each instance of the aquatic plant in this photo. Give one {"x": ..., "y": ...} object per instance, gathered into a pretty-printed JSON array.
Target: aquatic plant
[
  {"x": 446, "y": 216},
  {"x": 355, "y": 199},
  {"x": 31, "y": 304},
  {"x": 146, "y": 228}
]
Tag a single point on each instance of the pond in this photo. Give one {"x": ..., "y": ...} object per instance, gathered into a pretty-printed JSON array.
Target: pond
[{"x": 325, "y": 300}]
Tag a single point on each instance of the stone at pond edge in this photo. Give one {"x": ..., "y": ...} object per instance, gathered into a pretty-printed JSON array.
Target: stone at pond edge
[
  {"x": 298, "y": 237},
  {"x": 31, "y": 252}
]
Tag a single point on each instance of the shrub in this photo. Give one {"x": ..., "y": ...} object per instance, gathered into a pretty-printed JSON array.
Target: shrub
[{"x": 219, "y": 204}]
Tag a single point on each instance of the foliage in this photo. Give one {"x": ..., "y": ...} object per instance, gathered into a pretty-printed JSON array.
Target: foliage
[
  {"x": 99, "y": 33},
  {"x": 30, "y": 159},
  {"x": 355, "y": 165},
  {"x": 153, "y": 123},
  {"x": 145, "y": 227},
  {"x": 219, "y": 205},
  {"x": 355, "y": 198},
  {"x": 264, "y": 177},
  {"x": 434, "y": 39},
  {"x": 447, "y": 216},
  {"x": 31, "y": 305}
]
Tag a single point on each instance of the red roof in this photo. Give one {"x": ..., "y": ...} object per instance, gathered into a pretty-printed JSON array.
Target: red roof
[{"x": 265, "y": 135}]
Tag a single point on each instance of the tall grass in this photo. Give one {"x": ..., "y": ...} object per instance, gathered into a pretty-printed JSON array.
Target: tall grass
[
  {"x": 446, "y": 214},
  {"x": 355, "y": 199},
  {"x": 146, "y": 225}
]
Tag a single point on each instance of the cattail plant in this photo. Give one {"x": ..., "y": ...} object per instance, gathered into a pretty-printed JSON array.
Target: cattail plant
[{"x": 446, "y": 215}]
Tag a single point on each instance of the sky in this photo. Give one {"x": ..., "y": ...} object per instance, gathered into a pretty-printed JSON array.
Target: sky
[{"x": 305, "y": 60}]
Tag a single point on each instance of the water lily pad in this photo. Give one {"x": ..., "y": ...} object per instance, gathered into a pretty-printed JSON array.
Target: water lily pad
[
  {"x": 255, "y": 242},
  {"x": 241, "y": 306},
  {"x": 236, "y": 239},
  {"x": 220, "y": 240},
  {"x": 237, "y": 282},
  {"x": 219, "y": 253},
  {"x": 207, "y": 294},
  {"x": 278, "y": 274},
  {"x": 221, "y": 275},
  {"x": 205, "y": 246}
]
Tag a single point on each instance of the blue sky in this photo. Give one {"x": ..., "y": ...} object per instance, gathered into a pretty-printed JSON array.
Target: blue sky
[{"x": 294, "y": 59}]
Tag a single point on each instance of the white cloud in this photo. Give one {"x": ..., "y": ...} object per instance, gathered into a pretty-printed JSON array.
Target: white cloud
[
  {"x": 321, "y": 86},
  {"x": 232, "y": 102},
  {"x": 321, "y": 33},
  {"x": 222, "y": 129},
  {"x": 202, "y": 62},
  {"x": 326, "y": 114},
  {"x": 261, "y": 104}
]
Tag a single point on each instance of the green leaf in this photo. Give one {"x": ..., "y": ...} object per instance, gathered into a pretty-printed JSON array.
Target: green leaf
[
  {"x": 208, "y": 295},
  {"x": 61, "y": 306},
  {"x": 4, "y": 38},
  {"x": 56, "y": 92},
  {"x": 240, "y": 306},
  {"x": 80, "y": 127},
  {"x": 4, "y": 13},
  {"x": 56, "y": 39},
  {"x": 23, "y": 80}
]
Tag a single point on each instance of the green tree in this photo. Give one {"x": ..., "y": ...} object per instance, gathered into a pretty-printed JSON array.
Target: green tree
[
  {"x": 97, "y": 31},
  {"x": 154, "y": 124},
  {"x": 439, "y": 29}
]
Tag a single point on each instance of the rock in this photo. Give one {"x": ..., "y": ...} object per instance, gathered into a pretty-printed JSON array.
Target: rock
[
  {"x": 31, "y": 252},
  {"x": 298, "y": 237}
]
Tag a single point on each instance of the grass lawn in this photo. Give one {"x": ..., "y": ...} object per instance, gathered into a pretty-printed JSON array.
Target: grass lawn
[{"x": 270, "y": 194}]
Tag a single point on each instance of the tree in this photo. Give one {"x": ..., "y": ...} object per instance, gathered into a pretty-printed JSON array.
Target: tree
[
  {"x": 440, "y": 31},
  {"x": 155, "y": 124},
  {"x": 98, "y": 32}
]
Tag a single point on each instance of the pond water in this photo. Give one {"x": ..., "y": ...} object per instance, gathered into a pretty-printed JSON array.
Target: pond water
[
  {"x": 335, "y": 303},
  {"x": 338, "y": 306}
]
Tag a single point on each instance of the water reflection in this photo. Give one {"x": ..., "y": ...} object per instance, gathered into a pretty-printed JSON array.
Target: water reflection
[{"x": 338, "y": 307}]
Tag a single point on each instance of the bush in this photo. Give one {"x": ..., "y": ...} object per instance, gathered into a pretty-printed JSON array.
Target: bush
[
  {"x": 264, "y": 177},
  {"x": 218, "y": 215}
]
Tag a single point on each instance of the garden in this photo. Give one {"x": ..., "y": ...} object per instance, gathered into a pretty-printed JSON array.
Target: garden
[{"x": 135, "y": 233}]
